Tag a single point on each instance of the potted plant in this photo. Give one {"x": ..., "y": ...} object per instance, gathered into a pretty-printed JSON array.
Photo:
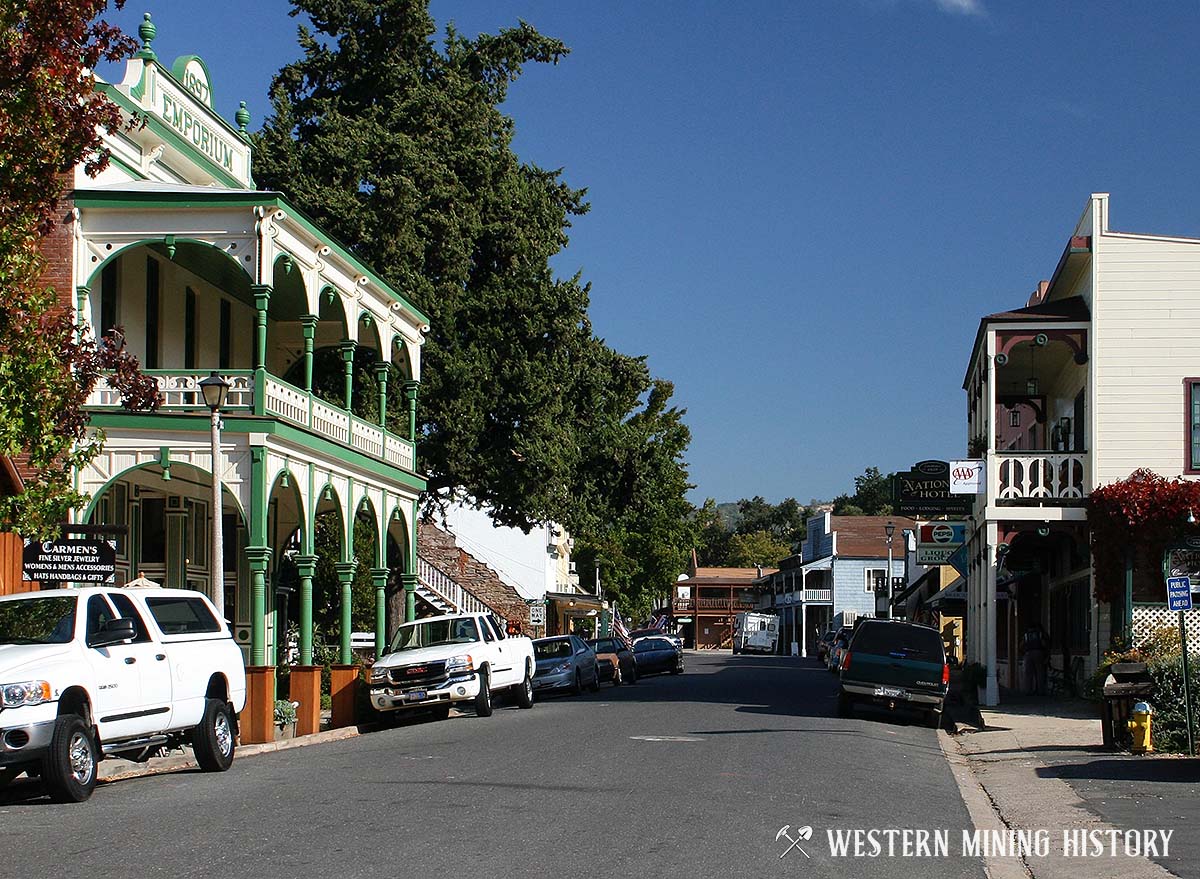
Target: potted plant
[{"x": 285, "y": 719}]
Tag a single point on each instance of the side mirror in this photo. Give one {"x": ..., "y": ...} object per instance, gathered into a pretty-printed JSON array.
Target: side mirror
[{"x": 113, "y": 632}]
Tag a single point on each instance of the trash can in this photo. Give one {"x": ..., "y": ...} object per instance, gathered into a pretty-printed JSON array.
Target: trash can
[{"x": 1127, "y": 684}]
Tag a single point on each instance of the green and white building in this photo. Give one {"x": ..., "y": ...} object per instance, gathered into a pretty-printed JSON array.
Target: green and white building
[{"x": 207, "y": 273}]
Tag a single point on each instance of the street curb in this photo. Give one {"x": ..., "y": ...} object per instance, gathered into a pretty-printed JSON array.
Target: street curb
[{"x": 162, "y": 765}]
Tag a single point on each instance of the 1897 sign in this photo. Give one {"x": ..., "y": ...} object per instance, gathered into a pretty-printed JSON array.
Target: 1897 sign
[{"x": 70, "y": 561}]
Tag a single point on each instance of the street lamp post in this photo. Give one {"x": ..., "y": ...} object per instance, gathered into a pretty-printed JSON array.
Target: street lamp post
[
  {"x": 889, "y": 530},
  {"x": 215, "y": 390}
]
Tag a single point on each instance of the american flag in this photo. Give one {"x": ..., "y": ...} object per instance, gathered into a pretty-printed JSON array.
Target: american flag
[
  {"x": 659, "y": 622},
  {"x": 619, "y": 630}
]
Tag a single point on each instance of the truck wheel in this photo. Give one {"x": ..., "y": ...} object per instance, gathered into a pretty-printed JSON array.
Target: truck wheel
[
  {"x": 69, "y": 767},
  {"x": 845, "y": 707},
  {"x": 525, "y": 692},
  {"x": 483, "y": 701},
  {"x": 933, "y": 719},
  {"x": 212, "y": 740}
]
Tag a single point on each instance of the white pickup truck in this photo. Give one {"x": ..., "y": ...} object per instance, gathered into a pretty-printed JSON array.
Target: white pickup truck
[
  {"x": 436, "y": 662},
  {"x": 98, "y": 672}
]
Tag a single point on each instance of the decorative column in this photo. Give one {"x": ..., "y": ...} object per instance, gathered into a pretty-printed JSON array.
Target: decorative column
[
  {"x": 411, "y": 389},
  {"x": 262, "y": 300},
  {"x": 347, "y": 348},
  {"x": 345, "y": 573},
  {"x": 379, "y": 578},
  {"x": 306, "y": 567},
  {"x": 381, "y": 376},
  {"x": 259, "y": 559},
  {"x": 409, "y": 582},
  {"x": 308, "y": 323}
]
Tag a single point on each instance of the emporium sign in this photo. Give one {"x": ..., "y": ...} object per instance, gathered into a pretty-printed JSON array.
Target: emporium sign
[
  {"x": 69, "y": 561},
  {"x": 924, "y": 492}
]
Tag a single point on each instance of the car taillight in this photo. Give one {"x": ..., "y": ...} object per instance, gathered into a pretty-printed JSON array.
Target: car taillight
[
  {"x": 846, "y": 660},
  {"x": 945, "y": 675}
]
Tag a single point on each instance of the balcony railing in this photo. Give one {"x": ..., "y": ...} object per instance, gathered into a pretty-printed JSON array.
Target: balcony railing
[
  {"x": 180, "y": 390},
  {"x": 691, "y": 605},
  {"x": 1040, "y": 477},
  {"x": 818, "y": 595}
]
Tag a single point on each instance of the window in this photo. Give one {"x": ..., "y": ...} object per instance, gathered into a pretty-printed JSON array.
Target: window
[
  {"x": 876, "y": 581},
  {"x": 189, "y": 328},
  {"x": 98, "y": 614},
  {"x": 224, "y": 357},
  {"x": 181, "y": 615},
  {"x": 900, "y": 640},
  {"x": 1193, "y": 400},
  {"x": 108, "y": 299},
  {"x": 496, "y": 625},
  {"x": 126, "y": 609},
  {"x": 151, "y": 314},
  {"x": 154, "y": 530}
]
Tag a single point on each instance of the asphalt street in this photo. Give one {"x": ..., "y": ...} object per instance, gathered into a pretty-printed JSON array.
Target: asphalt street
[{"x": 678, "y": 776}]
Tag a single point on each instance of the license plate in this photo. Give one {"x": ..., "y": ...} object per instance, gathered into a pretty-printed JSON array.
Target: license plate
[
  {"x": 415, "y": 695},
  {"x": 891, "y": 692}
]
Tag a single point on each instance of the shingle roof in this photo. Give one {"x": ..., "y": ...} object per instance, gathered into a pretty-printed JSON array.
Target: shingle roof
[{"x": 863, "y": 536}]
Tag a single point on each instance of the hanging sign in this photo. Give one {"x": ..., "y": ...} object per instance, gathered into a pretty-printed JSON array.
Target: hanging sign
[
  {"x": 70, "y": 561},
  {"x": 938, "y": 541},
  {"x": 966, "y": 477},
  {"x": 924, "y": 492}
]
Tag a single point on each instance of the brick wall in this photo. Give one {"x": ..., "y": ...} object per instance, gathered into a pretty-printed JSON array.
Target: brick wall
[
  {"x": 57, "y": 250},
  {"x": 437, "y": 546}
]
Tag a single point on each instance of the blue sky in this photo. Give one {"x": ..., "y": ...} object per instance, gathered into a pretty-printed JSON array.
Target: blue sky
[{"x": 800, "y": 210}]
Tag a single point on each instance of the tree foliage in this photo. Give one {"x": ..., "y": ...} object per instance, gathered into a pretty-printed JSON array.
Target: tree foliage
[
  {"x": 751, "y": 548},
  {"x": 397, "y": 145},
  {"x": 872, "y": 495},
  {"x": 50, "y": 122},
  {"x": 760, "y": 530}
]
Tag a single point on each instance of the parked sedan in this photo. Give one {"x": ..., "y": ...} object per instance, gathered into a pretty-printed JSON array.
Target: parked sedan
[
  {"x": 833, "y": 660},
  {"x": 637, "y": 634},
  {"x": 616, "y": 661},
  {"x": 565, "y": 662},
  {"x": 657, "y": 655},
  {"x": 824, "y": 644}
]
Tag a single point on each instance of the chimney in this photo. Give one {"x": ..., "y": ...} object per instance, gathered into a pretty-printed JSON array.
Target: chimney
[{"x": 1039, "y": 295}]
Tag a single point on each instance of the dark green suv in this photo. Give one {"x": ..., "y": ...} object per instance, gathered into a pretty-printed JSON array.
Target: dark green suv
[{"x": 895, "y": 664}]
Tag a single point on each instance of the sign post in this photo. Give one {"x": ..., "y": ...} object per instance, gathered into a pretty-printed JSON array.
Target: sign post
[{"x": 1179, "y": 598}]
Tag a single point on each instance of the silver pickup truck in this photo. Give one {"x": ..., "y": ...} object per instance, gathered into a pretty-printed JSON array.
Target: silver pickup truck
[{"x": 461, "y": 658}]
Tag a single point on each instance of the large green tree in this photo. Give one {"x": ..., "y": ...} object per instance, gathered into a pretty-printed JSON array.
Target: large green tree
[
  {"x": 51, "y": 120},
  {"x": 872, "y": 495},
  {"x": 397, "y": 145}
]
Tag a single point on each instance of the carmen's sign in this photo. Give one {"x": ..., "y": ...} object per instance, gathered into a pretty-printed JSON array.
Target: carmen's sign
[
  {"x": 70, "y": 561},
  {"x": 924, "y": 491}
]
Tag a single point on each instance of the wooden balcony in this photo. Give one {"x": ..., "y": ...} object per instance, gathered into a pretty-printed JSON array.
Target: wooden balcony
[
  {"x": 1039, "y": 478},
  {"x": 711, "y": 605}
]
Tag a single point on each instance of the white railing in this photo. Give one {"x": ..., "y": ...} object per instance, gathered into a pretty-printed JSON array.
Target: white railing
[
  {"x": 1040, "y": 476},
  {"x": 330, "y": 422},
  {"x": 818, "y": 595},
  {"x": 398, "y": 452},
  {"x": 442, "y": 585},
  {"x": 287, "y": 402},
  {"x": 180, "y": 390},
  {"x": 366, "y": 438}
]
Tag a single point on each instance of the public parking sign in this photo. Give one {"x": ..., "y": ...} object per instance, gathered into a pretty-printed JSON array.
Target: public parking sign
[{"x": 1179, "y": 593}]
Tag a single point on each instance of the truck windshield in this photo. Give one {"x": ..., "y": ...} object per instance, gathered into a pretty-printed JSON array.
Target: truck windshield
[
  {"x": 49, "y": 620},
  {"x": 434, "y": 632},
  {"x": 898, "y": 640}
]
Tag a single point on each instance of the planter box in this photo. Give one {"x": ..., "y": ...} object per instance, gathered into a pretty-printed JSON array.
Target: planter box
[
  {"x": 343, "y": 687},
  {"x": 285, "y": 731},
  {"x": 306, "y": 689},
  {"x": 257, "y": 721}
]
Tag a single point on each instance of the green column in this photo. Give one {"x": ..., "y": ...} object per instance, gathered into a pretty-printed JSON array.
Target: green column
[
  {"x": 306, "y": 567},
  {"x": 345, "y": 573},
  {"x": 410, "y": 596},
  {"x": 262, "y": 300},
  {"x": 308, "y": 323},
  {"x": 259, "y": 559},
  {"x": 379, "y": 578},
  {"x": 176, "y": 544},
  {"x": 410, "y": 394},
  {"x": 381, "y": 376},
  {"x": 347, "y": 348}
]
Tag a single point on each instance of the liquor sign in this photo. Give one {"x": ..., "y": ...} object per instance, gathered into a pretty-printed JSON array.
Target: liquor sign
[
  {"x": 70, "y": 561},
  {"x": 924, "y": 492},
  {"x": 966, "y": 477},
  {"x": 938, "y": 541}
]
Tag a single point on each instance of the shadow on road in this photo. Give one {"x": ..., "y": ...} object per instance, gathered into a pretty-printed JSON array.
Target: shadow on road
[{"x": 1179, "y": 771}]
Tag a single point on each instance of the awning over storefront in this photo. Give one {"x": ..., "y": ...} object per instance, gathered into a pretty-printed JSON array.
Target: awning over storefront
[
  {"x": 825, "y": 564},
  {"x": 953, "y": 594}
]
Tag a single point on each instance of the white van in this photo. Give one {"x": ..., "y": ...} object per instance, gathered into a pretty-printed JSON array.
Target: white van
[{"x": 755, "y": 633}]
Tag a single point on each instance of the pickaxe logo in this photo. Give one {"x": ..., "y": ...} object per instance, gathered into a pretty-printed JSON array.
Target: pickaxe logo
[{"x": 802, "y": 833}]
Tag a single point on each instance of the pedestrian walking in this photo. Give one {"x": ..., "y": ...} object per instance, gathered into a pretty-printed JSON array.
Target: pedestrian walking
[{"x": 1035, "y": 650}]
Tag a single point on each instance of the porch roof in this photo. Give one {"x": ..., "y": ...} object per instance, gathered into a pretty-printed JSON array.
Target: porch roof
[
  {"x": 1073, "y": 309},
  {"x": 154, "y": 195}
]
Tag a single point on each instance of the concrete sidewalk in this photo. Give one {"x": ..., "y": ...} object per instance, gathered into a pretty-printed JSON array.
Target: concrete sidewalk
[{"x": 1039, "y": 765}]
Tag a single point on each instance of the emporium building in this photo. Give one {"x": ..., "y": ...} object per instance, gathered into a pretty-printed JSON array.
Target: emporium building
[{"x": 207, "y": 274}]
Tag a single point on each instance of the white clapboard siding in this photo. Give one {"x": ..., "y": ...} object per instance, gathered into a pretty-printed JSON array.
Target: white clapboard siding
[{"x": 1145, "y": 323}]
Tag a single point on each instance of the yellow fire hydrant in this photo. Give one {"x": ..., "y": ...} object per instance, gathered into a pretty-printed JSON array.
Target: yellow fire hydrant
[{"x": 1139, "y": 725}]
